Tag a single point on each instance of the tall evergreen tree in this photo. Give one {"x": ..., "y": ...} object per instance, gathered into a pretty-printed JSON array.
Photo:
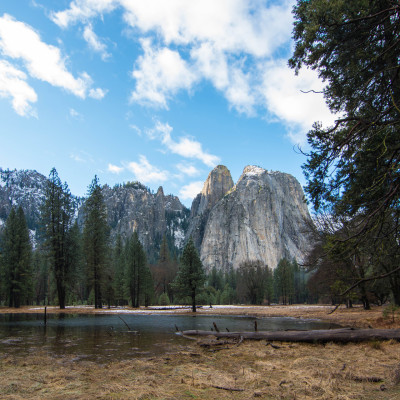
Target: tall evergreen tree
[
  {"x": 353, "y": 168},
  {"x": 136, "y": 270},
  {"x": 41, "y": 271},
  {"x": 284, "y": 281},
  {"x": 73, "y": 259},
  {"x": 191, "y": 277},
  {"x": 95, "y": 240},
  {"x": 164, "y": 272},
  {"x": 57, "y": 218},
  {"x": 16, "y": 260},
  {"x": 119, "y": 271}
]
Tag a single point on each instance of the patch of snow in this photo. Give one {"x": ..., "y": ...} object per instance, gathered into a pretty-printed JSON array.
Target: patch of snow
[
  {"x": 253, "y": 170},
  {"x": 32, "y": 236},
  {"x": 179, "y": 237}
]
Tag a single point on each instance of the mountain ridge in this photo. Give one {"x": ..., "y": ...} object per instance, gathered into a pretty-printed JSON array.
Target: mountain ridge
[{"x": 262, "y": 216}]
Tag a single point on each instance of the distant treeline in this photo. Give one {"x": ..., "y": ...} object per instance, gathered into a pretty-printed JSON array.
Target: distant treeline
[{"x": 72, "y": 265}]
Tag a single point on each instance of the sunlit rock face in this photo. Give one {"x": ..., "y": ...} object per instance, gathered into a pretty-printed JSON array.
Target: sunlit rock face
[
  {"x": 263, "y": 217},
  {"x": 218, "y": 183}
]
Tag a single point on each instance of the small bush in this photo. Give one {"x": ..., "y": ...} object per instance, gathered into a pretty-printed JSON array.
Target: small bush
[{"x": 163, "y": 300}]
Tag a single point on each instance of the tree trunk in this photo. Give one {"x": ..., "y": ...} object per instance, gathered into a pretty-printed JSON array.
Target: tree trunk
[
  {"x": 344, "y": 335},
  {"x": 193, "y": 300}
]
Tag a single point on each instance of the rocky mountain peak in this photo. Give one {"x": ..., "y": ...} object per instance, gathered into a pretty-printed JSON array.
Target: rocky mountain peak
[
  {"x": 252, "y": 170},
  {"x": 264, "y": 217},
  {"x": 160, "y": 192},
  {"x": 216, "y": 186}
]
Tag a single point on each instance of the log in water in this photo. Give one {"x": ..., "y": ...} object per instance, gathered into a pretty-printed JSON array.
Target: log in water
[{"x": 344, "y": 335}]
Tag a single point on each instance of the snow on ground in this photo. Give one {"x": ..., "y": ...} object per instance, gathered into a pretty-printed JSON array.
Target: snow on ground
[{"x": 182, "y": 309}]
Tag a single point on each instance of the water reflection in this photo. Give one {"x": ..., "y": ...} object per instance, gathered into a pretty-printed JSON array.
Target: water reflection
[{"x": 107, "y": 336}]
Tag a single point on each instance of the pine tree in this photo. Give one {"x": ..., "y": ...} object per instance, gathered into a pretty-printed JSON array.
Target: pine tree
[
  {"x": 164, "y": 272},
  {"x": 73, "y": 261},
  {"x": 191, "y": 277},
  {"x": 57, "y": 218},
  {"x": 353, "y": 167},
  {"x": 41, "y": 271},
  {"x": 95, "y": 241},
  {"x": 284, "y": 281},
  {"x": 136, "y": 269},
  {"x": 16, "y": 260},
  {"x": 119, "y": 271}
]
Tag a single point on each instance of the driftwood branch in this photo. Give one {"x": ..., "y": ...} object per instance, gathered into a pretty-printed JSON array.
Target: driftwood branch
[
  {"x": 344, "y": 335},
  {"x": 228, "y": 388}
]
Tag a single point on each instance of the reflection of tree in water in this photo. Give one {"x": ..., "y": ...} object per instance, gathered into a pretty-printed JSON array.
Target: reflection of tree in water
[{"x": 60, "y": 331}]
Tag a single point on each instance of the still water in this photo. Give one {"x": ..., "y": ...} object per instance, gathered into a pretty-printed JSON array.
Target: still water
[{"x": 105, "y": 336}]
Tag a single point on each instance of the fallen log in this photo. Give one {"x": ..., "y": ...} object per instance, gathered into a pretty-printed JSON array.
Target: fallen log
[{"x": 343, "y": 335}]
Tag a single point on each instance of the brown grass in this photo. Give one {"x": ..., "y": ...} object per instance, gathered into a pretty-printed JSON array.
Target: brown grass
[{"x": 291, "y": 371}]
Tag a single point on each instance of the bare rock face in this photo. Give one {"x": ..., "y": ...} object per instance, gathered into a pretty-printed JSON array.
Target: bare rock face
[
  {"x": 132, "y": 207},
  {"x": 218, "y": 183},
  {"x": 23, "y": 188},
  {"x": 263, "y": 217}
]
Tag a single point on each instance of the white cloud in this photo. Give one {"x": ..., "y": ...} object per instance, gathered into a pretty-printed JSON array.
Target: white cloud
[
  {"x": 187, "y": 169},
  {"x": 82, "y": 157},
  {"x": 13, "y": 85},
  {"x": 82, "y": 10},
  {"x": 248, "y": 26},
  {"x": 95, "y": 43},
  {"x": 75, "y": 114},
  {"x": 284, "y": 95},
  {"x": 114, "y": 169},
  {"x": 219, "y": 36},
  {"x": 230, "y": 43},
  {"x": 159, "y": 74},
  {"x": 227, "y": 76},
  {"x": 43, "y": 61},
  {"x": 191, "y": 190},
  {"x": 185, "y": 146},
  {"x": 145, "y": 172},
  {"x": 97, "y": 93},
  {"x": 136, "y": 129}
]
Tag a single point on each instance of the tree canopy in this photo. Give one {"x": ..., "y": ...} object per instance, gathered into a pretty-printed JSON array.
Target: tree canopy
[
  {"x": 95, "y": 240},
  {"x": 191, "y": 276},
  {"x": 354, "y": 165},
  {"x": 353, "y": 168}
]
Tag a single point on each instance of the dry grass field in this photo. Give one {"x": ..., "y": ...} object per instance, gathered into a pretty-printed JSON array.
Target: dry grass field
[{"x": 205, "y": 370}]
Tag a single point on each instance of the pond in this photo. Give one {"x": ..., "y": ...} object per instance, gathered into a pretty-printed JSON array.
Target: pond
[{"x": 104, "y": 336}]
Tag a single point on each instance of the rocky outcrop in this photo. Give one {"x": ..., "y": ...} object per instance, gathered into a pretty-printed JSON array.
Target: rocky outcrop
[
  {"x": 132, "y": 207},
  {"x": 218, "y": 183},
  {"x": 23, "y": 188},
  {"x": 263, "y": 217}
]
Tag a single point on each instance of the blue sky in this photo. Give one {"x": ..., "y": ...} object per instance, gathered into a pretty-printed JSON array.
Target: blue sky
[{"x": 159, "y": 91}]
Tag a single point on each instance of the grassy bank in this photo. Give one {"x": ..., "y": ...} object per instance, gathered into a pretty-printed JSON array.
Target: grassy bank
[{"x": 202, "y": 370}]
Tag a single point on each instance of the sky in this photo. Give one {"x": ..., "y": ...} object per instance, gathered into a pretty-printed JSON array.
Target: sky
[{"x": 156, "y": 91}]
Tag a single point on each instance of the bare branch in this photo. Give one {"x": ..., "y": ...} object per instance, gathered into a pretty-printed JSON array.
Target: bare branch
[{"x": 369, "y": 279}]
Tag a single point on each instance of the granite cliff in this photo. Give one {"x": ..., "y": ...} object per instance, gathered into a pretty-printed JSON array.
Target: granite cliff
[
  {"x": 132, "y": 207},
  {"x": 218, "y": 183},
  {"x": 263, "y": 217}
]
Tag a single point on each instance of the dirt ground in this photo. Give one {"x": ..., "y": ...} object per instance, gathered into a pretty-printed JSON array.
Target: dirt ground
[{"x": 225, "y": 370}]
